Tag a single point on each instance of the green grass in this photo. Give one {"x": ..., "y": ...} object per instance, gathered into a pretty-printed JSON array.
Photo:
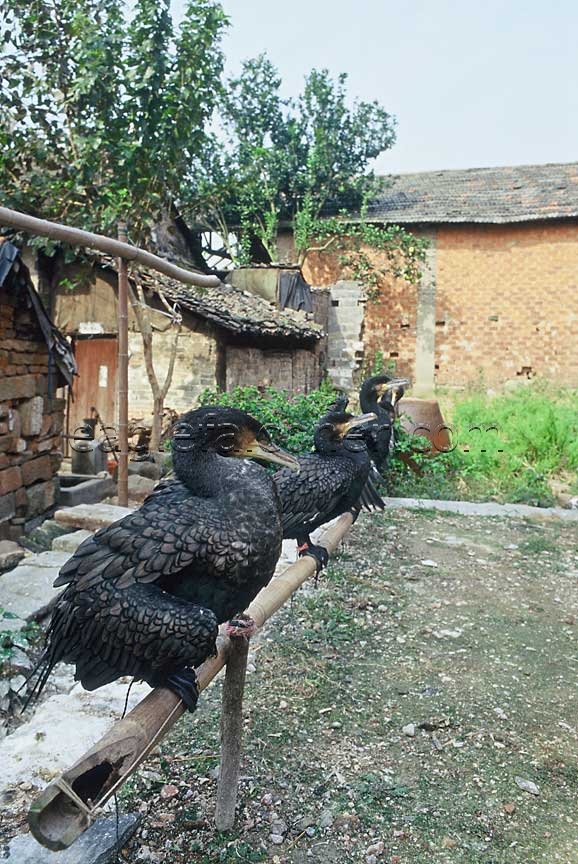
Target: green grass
[{"x": 508, "y": 446}]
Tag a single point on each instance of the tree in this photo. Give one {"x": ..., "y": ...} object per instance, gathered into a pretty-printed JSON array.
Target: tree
[
  {"x": 301, "y": 163},
  {"x": 102, "y": 118}
]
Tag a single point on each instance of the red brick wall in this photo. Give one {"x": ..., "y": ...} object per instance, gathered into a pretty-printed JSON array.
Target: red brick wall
[
  {"x": 506, "y": 305},
  {"x": 390, "y": 326},
  {"x": 30, "y": 421},
  {"x": 526, "y": 276}
]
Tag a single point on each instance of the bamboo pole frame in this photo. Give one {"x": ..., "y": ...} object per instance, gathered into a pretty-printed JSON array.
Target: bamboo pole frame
[
  {"x": 122, "y": 373},
  {"x": 74, "y": 800},
  {"x": 231, "y": 733},
  {"x": 115, "y": 248}
]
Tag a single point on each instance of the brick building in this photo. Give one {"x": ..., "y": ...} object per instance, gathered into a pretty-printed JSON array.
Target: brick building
[
  {"x": 35, "y": 364},
  {"x": 498, "y": 300}
]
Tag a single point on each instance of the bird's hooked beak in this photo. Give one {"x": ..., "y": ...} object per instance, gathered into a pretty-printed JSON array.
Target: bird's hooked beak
[
  {"x": 269, "y": 452},
  {"x": 395, "y": 389},
  {"x": 359, "y": 420}
]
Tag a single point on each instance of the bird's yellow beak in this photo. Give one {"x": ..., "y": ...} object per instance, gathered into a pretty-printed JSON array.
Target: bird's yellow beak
[
  {"x": 359, "y": 420},
  {"x": 271, "y": 453},
  {"x": 342, "y": 429}
]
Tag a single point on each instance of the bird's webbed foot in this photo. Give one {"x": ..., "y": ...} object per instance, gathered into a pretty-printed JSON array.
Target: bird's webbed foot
[
  {"x": 241, "y": 626},
  {"x": 183, "y": 682},
  {"x": 318, "y": 553}
]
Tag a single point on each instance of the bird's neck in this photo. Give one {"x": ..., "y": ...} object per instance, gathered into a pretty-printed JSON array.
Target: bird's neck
[
  {"x": 202, "y": 471},
  {"x": 208, "y": 475}
]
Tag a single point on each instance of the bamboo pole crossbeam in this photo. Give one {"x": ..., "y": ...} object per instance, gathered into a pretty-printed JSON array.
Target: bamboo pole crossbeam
[
  {"x": 74, "y": 800},
  {"x": 115, "y": 248}
]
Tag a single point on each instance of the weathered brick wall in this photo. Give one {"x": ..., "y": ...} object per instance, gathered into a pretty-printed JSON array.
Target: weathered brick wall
[
  {"x": 30, "y": 421},
  {"x": 360, "y": 326},
  {"x": 195, "y": 368},
  {"x": 507, "y": 303}
]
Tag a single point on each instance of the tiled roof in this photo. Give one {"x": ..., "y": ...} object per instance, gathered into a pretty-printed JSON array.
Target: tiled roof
[
  {"x": 233, "y": 309},
  {"x": 517, "y": 194}
]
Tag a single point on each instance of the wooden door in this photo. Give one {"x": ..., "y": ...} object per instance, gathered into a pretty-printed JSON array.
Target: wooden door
[{"x": 96, "y": 385}]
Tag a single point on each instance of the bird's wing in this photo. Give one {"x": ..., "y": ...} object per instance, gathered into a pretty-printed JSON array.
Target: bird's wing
[
  {"x": 170, "y": 532},
  {"x": 139, "y": 631},
  {"x": 316, "y": 489}
]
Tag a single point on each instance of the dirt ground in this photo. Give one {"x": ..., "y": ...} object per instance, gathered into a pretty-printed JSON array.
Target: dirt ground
[{"x": 419, "y": 706}]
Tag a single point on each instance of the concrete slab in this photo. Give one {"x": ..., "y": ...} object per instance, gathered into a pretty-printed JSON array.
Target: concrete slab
[
  {"x": 98, "y": 845},
  {"x": 51, "y": 558},
  {"x": 91, "y": 517},
  {"x": 489, "y": 508},
  {"x": 25, "y": 590},
  {"x": 70, "y": 542},
  {"x": 61, "y": 730}
]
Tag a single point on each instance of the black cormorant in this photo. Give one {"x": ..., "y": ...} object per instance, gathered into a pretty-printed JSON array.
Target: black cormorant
[
  {"x": 379, "y": 434},
  {"x": 330, "y": 481},
  {"x": 145, "y": 595}
]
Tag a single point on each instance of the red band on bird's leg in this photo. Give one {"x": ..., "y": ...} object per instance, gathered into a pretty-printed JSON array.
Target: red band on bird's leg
[{"x": 303, "y": 548}]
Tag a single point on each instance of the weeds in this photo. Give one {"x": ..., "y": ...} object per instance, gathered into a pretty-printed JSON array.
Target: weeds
[
  {"x": 11, "y": 639},
  {"x": 507, "y": 447}
]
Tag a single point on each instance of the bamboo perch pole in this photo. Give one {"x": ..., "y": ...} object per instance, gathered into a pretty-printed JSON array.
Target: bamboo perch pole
[
  {"x": 73, "y": 801},
  {"x": 116, "y": 248}
]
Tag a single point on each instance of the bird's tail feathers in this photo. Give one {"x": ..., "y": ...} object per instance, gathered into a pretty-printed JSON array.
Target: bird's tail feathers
[{"x": 370, "y": 499}]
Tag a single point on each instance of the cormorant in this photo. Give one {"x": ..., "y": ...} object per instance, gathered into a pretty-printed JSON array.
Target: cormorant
[
  {"x": 330, "y": 481},
  {"x": 379, "y": 434},
  {"x": 145, "y": 595}
]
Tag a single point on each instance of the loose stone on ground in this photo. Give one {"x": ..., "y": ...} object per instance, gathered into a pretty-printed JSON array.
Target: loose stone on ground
[{"x": 98, "y": 845}]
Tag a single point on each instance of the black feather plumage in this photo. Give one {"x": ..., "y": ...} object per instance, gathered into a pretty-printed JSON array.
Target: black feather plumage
[
  {"x": 144, "y": 596},
  {"x": 331, "y": 481}
]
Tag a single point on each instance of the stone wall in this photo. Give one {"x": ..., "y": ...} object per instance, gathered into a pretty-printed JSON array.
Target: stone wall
[
  {"x": 362, "y": 331},
  {"x": 196, "y": 367},
  {"x": 345, "y": 349},
  {"x": 30, "y": 421}
]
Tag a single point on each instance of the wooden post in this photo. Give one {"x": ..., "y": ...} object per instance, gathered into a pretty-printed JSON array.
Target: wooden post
[
  {"x": 122, "y": 373},
  {"x": 231, "y": 733}
]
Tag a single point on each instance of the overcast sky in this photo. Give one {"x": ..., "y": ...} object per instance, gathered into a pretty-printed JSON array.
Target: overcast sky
[{"x": 471, "y": 83}]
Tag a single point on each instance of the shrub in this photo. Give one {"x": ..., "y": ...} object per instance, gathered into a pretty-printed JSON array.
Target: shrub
[{"x": 290, "y": 418}]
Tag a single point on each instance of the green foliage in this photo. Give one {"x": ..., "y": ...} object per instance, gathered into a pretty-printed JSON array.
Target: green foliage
[
  {"x": 9, "y": 639},
  {"x": 537, "y": 430},
  {"x": 298, "y": 162},
  {"x": 290, "y": 419},
  {"x": 508, "y": 447},
  {"x": 101, "y": 113},
  {"x": 355, "y": 243}
]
